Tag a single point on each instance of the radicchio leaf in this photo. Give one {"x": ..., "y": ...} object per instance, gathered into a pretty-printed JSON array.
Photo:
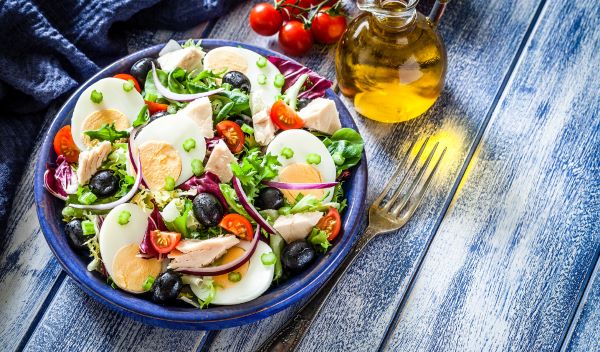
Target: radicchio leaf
[
  {"x": 316, "y": 85},
  {"x": 147, "y": 250},
  {"x": 62, "y": 180},
  {"x": 212, "y": 142},
  {"x": 208, "y": 183}
]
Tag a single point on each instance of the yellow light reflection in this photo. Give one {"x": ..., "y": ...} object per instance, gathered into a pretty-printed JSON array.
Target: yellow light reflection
[{"x": 450, "y": 137}]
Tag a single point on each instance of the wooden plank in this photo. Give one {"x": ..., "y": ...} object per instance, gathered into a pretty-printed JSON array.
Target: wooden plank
[
  {"x": 30, "y": 276},
  {"x": 27, "y": 269},
  {"x": 362, "y": 307},
  {"x": 584, "y": 334},
  {"x": 514, "y": 252},
  {"x": 75, "y": 321}
]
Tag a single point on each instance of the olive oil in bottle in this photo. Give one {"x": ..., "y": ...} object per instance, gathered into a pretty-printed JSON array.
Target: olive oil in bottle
[{"x": 391, "y": 60}]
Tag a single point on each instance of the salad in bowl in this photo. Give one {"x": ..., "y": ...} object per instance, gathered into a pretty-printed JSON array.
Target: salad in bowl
[{"x": 203, "y": 176}]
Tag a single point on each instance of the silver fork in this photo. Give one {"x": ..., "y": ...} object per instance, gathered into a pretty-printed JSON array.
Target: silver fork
[{"x": 384, "y": 216}]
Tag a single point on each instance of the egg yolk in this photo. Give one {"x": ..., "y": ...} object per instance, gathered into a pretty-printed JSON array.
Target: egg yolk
[
  {"x": 228, "y": 59},
  {"x": 232, "y": 254},
  {"x": 159, "y": 160},
  {"x": 102, "y": 117},
  {"x": 300, "y": 173},
  {"x": 130, "y": 271}
]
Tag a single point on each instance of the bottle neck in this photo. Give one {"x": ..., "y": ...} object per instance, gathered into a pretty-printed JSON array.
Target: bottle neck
[{"x": 392, "y": 14}]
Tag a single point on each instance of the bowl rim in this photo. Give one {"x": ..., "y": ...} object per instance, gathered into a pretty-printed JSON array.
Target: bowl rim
[{"x": 216, "y": 317}]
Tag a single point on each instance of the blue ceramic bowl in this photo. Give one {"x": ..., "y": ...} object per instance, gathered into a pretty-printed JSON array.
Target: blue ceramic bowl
[{"x": 181, "y": 317}]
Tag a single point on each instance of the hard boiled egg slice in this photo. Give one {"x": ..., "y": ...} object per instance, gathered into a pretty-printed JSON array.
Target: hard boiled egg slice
[
  {"x": 256, "y": 277},
  {"x": 164, "y": 149},
  {"x": 117, "y": 106},
  {"x": 298, "y": 168},
  {"x": 119, "y": 246},
  {"x": 263, "y": 92}
]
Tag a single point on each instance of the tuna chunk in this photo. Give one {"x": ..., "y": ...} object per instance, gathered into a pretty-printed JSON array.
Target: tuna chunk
[
  {"x": 200, "y": 253},
  {"x": 200, "y": 111},
  {"x": 90, "y": 160},
  {"x": 219, "y": 162},
  {"x": 296, "y": 226},
  {"x": 321, "y": 115},
  {"x": 264, "y": 128},
  {"x": 188, "y": 59}
]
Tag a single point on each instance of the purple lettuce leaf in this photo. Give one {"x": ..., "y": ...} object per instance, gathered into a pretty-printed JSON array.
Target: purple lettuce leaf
[
  {"x": 315, "y": 85},
  {"x": 208, "y": 183},
  {"x": 212, "y": 142},
  {"x": 62, "y": 180},
  {"x": 147, "y": 250}
]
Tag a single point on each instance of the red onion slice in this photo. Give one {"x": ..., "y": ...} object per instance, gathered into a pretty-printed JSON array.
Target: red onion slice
[
  {"x": 249, "y": 247},
  {"x": 300, "y": 186},
  {"x": 166, "y": 92},
  {"x": 124, "y": 199},
  {"x": 237, "y": 186}
]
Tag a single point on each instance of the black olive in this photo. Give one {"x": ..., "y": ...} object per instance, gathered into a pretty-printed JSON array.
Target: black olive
[
  {"x": 104, "y": 184},
  {"x": 269, "y": 198},
  {"x": 302, "y": 102},
  {"x": 240, "y": 120},
  {"x": 140, "y": 69},
  {"x": 297, "y": 255},
  {"x": 166, "y": 287},
  {"x": 207, "y": 209},
  {"x": 75, "y": 234},
  {"x": 237, "y": 80}
]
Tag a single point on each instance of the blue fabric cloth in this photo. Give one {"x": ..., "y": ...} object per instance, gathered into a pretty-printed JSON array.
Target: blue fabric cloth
[{"x": 49, "y": 47}]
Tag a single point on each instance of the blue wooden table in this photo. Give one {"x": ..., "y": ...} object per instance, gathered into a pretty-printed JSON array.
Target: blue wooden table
[{"x": 502, "y": 255}]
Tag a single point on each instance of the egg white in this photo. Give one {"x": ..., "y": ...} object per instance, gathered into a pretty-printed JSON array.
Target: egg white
[
  {"x": 175, "y": 130},
  {"x": 254, "y": 283},
  {"x": 113, "y": 97},
  {"x": 303, "y": 143},
  {"x": 114, "y": 236},
  {"x": 261, "y": 96}
]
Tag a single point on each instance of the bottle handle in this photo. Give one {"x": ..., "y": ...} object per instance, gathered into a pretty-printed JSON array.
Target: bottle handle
[{"x": 437, "y": 11}]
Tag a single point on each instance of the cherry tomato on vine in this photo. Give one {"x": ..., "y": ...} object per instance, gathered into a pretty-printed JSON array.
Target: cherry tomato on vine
[
  {"x": 65, "y": 146},
  {"x": 330, "y": 223},
  {"x": 294, "y": 38},
  {"x": 285, "y": 117},
  {"x": 288, "y": 11},
  {"x": 328, "y": 28},
  {"x": 265, "y": 19}
]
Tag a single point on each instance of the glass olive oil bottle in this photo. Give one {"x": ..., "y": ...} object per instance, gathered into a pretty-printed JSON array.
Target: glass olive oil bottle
[{"x": 391, "y": 60}]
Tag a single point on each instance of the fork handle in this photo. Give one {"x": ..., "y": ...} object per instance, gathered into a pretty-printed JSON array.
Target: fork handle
[{"x": 290, "y": 334}]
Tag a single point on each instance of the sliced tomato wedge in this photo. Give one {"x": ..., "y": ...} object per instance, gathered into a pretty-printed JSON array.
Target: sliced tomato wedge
[
  {"x": 155, "y": 107},
  {"x": 233, "y": 134},
  {"x": 164, "y": 241},
  {"x": 238, "y": 225},
  {"x": 285, "y": 117},
  {"x": 65, "y": 146},
  {"x": 330, "y": 223},
  {"x": 127, "y": 77}
]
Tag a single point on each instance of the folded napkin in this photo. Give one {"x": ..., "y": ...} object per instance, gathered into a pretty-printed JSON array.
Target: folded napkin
[{"x": 49, "y": 47}]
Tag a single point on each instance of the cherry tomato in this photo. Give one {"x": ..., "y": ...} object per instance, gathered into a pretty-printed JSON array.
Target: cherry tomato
[
  {"x": 265, "y": 19},
  {"x": 330, "y": 223},
  {"x": 238, "y": 225},
  {"x": 289, "y": 12},
  {"x": 163, "y": 241},
  {"x": 233, "y": 134},
  {"x": 285, "y": 117},
  {"x": 326, "y": 28},
  {"x": 128, "y": 77},
  {"x": 155, "y": 107},
  {"x": 65, "y": 146},
  {"x": 294, "y": 38}
]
